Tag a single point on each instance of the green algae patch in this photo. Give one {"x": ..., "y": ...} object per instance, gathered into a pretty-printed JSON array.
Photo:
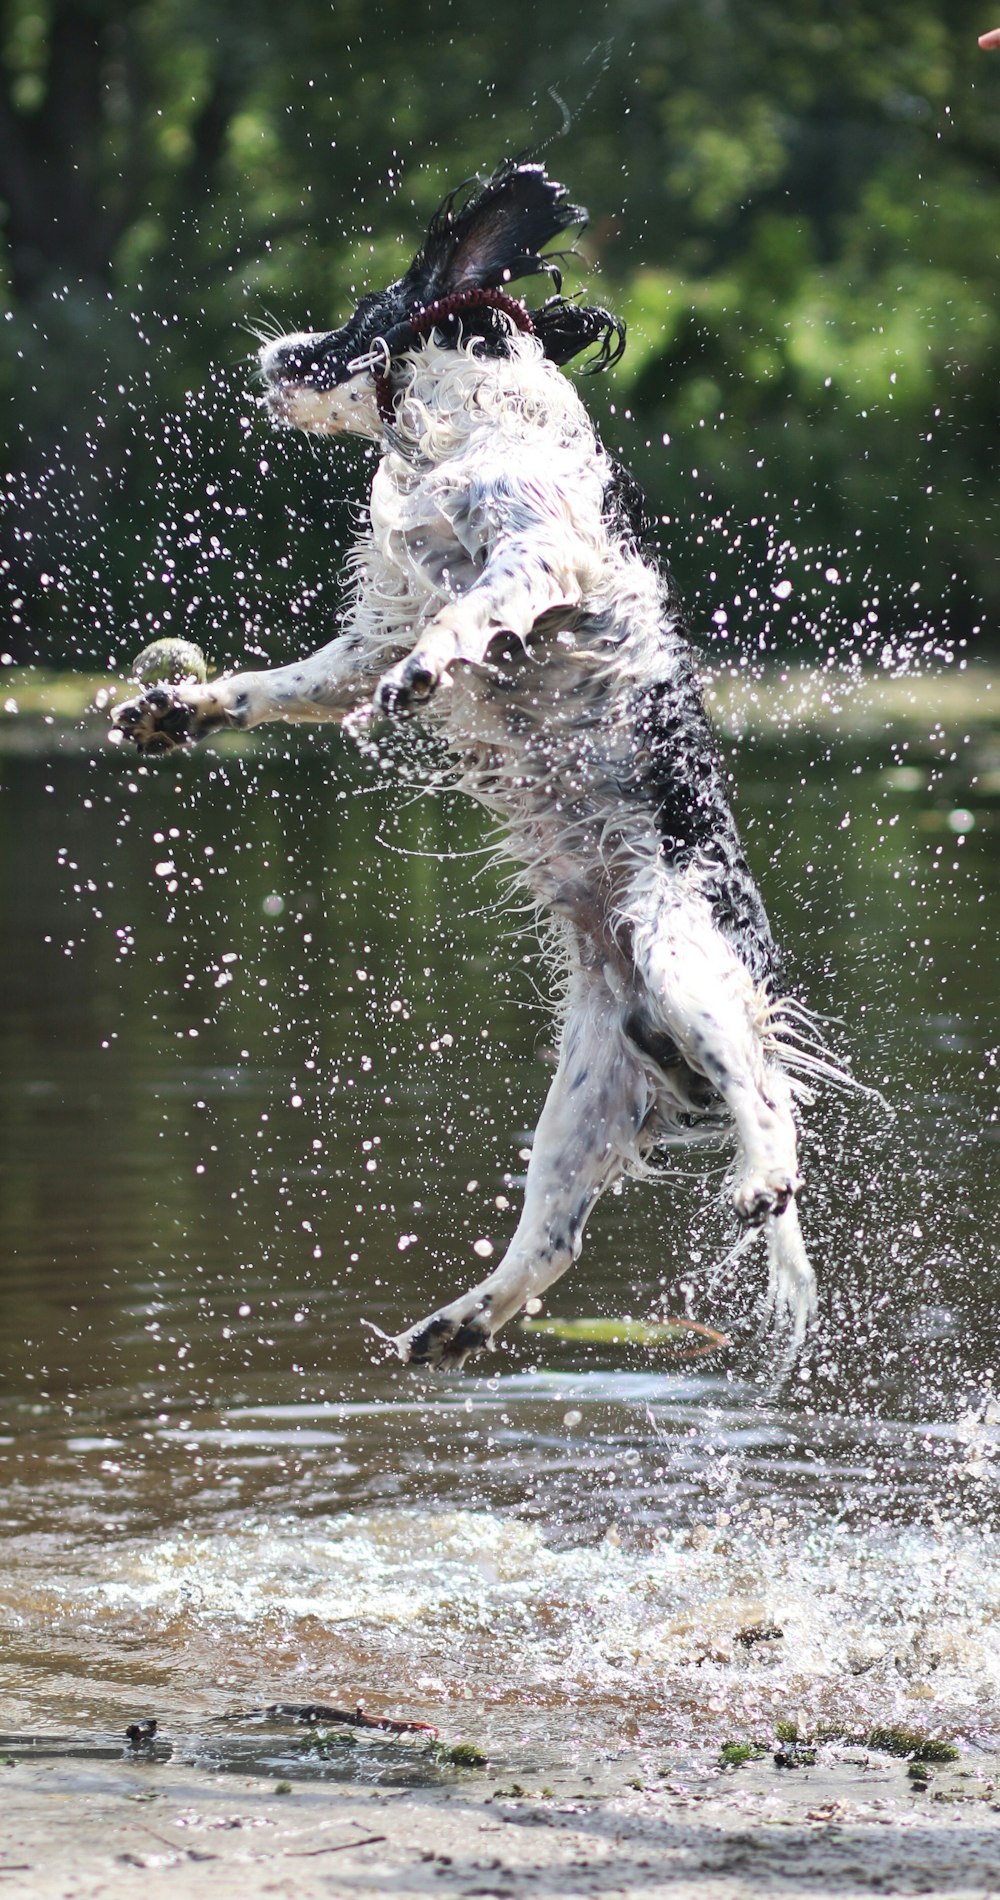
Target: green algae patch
[
  {"x": 458, "y": 1755},
  {"x": 888, "y": 1738},
  {"x": 919, "y": 1773},
  {"x": 323, "y": 1744},
  {"x": 679, "y": 1336},
  {"x": 735, "y": 1754},
  {"x": 909, "y": 1744}
]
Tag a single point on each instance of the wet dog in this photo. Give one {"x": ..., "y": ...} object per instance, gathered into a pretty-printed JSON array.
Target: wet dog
[{"x": 504, "y": 589}]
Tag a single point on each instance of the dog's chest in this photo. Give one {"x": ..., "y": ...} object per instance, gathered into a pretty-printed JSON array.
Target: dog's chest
[{"x": 425, "y": 546}]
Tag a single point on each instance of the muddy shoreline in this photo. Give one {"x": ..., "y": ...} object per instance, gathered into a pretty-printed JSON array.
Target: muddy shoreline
[{"x": 851, "y": 1823}]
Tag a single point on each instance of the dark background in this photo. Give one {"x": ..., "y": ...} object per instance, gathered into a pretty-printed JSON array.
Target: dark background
[{"x": 796, "y": 205}]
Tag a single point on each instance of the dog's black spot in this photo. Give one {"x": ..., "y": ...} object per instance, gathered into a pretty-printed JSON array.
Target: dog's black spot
[{"x": 678, "y": 769}]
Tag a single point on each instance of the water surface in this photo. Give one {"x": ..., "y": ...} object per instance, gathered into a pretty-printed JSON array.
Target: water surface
[{"x": 271, "y": 1052}]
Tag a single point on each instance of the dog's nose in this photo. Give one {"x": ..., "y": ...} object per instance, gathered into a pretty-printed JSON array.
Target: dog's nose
[{"x": 293, "y": 359}]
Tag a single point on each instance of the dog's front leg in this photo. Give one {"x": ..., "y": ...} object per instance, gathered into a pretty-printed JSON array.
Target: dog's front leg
[
  {"x": 526, "y": 577},
  {"x": 324, "y": 686},
  {"x": 588, "y": 1132}
]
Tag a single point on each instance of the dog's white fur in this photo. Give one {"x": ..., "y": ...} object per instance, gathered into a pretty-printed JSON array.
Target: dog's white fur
[{"x": 490, "y": 584}]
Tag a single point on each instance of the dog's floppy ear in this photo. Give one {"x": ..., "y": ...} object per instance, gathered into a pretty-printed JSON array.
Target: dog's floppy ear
[
  {"x": 493, "y": 238},
  {"x": 566, "y": 328}
]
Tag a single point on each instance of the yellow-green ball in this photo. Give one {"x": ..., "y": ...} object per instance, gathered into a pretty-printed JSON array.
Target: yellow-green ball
[{"x": 170, "y": 661}]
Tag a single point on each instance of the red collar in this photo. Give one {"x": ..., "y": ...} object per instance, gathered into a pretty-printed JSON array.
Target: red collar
[{"x": 423, "y": 320}]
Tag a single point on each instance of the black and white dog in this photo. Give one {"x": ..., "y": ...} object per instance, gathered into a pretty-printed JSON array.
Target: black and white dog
[{"x": 501, "y": 587}]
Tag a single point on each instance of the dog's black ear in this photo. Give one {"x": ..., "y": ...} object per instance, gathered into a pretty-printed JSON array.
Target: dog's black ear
[
  {"x": 565, "y": 328},
  {"x": 493, "y": 238}
]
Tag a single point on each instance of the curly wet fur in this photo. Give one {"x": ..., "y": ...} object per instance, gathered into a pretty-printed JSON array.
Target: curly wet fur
[{"x": 500, "y": 589}]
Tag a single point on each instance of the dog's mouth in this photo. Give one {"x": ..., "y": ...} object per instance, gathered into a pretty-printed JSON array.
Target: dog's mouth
[
  {"x": 310, "y": 385},
  {"x": 301, "y": 383},
  {"x": 295, "y": 405},
  {"x": 348, "y": 408}
]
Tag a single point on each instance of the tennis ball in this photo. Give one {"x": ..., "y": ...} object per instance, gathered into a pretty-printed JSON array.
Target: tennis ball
[{"x": 170, "y": 660}]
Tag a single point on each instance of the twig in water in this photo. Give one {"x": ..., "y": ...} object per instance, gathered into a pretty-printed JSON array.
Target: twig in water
[{"x": 313, "y": 1713}]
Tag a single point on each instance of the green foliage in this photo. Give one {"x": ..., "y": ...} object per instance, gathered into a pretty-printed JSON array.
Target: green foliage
[{"x": 795, "y": 207}]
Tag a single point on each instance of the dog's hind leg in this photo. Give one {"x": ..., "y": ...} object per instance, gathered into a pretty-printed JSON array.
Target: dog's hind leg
[
  {"x": 588, "y": 1132},
  {"x": 708, "y": 1003}
]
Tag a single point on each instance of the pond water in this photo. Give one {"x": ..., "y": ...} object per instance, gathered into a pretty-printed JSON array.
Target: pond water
[{"x": 271, "y": 1052}]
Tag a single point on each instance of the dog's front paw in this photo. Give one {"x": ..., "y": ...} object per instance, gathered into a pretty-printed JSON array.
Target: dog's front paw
[
  {"x": 165, "y": 717},
  {"x": 762, "y": 1194},
  {"x": 446, "y": 1340},
  {"x": 407, "y": 685}
]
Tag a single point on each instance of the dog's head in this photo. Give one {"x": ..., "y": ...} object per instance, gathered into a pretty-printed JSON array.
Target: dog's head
[{"x": 336, "y": 380}]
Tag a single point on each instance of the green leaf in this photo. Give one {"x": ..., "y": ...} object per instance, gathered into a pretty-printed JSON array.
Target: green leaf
[{"x": 671, "y": 1335}]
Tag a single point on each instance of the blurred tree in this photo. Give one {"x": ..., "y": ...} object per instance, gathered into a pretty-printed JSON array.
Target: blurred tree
[{"x": 795, "y": 204}]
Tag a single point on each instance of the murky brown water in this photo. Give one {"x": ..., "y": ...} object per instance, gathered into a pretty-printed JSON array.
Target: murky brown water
[{"x": 270, "y": 1054}]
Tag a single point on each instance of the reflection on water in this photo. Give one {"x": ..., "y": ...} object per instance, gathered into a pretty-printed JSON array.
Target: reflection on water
[{"x": 269, "y": 1060}]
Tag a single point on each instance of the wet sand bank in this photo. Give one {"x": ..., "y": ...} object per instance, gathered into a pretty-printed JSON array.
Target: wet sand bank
[{"x": 853, "y": 1826}]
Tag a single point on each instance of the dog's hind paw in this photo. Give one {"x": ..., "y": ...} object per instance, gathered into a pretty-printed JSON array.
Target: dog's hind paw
[
  {"x": 446, "y": 1340},
  {"x": 759, "y": 1195}
]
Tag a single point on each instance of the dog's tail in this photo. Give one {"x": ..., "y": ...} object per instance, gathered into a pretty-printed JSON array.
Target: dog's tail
[{"x": 796, "y": 1038}]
